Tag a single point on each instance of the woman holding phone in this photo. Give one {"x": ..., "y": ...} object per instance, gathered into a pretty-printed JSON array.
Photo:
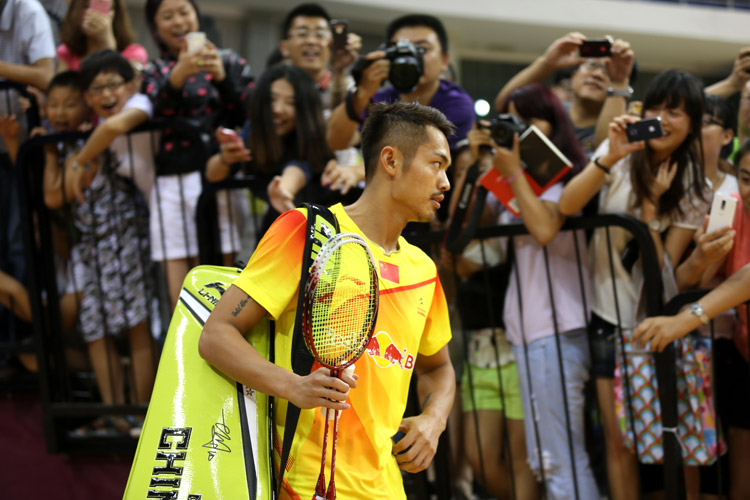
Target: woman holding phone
[
  {"x": 659, "y": 181},
  {"x": 198, "y": 89},
  {"x": 92, "y": 25},
  {"x": 286, "y": 140}
]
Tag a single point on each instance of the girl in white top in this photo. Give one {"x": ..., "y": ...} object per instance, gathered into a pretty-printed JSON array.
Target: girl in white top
[{"x": 660, "y": 182}]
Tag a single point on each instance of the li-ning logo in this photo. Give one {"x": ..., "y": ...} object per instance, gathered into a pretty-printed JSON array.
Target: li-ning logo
[
  {"x": 210, "y": 297},
  {"x": 385, "y": 353}
]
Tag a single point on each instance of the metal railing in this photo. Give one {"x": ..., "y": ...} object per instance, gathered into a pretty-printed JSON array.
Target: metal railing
[{"x": 65, "y": 406}]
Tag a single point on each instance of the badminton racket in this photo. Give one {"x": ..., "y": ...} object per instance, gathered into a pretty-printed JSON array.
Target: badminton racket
[{"x": 339, "y": 310}]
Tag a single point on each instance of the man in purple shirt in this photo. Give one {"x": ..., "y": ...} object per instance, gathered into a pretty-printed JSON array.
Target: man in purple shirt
[{"x": 427, "y": 32}]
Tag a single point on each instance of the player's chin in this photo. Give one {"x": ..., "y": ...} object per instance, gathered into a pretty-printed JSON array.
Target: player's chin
[{"x": 427, "y": 216}]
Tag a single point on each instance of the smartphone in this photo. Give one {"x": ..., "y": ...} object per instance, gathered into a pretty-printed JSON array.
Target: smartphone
[
  {"x": 722, "y": 212},
  {"x": 340, "y": 31},
  {"x": 195, "y": 41},
  {"x": 227, "y": 135},
  {"x": 596, "y": 47},
  {"x": 649, "y": 128},
  {"x": 101, "y": 6}
]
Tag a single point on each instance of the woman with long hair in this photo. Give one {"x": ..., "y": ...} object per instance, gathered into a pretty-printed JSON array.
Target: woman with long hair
[
  {"x": 86, "y": 30},
  {"x": 660, "y": 182},
  {"x": 286, "y": 140}
]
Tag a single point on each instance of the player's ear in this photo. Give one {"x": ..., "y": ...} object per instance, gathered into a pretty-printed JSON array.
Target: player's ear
[
  {"x": 283, "y": 48},
  {"x": 391, "y": 160}
]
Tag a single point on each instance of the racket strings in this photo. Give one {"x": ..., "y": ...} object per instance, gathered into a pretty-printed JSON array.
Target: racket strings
[{"x": 344, "y": 304}]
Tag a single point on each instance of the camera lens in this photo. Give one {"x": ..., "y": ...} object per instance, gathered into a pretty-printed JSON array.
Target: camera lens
[{"x": 404, "y": 74}]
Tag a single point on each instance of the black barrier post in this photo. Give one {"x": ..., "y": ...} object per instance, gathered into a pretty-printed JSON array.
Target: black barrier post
[{"x": 41, "y": 283}]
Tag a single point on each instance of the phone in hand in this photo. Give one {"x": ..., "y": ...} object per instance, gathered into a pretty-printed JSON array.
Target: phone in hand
[
  {"x": 722, "y": 212},
  {"x": 227, "y": 135},
  {"x": 595, "y": 47},
  {"x": 101, "y": 6},
  {"x": 340, "y": 31},
  {"x": 649, "y": 128}
]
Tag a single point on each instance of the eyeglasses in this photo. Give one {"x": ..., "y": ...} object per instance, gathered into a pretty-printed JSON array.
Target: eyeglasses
[
  {"x": 99, "y": 89},
  {"x": 592, "y": 65},
  {"x": 303, "y": 34},
  {"x": 710, "y": 120}
]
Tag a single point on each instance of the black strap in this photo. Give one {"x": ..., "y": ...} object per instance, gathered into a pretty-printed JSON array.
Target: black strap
[
  {"x": 349, "y": 107},
  {"x": 461, "y": 231},
  {"x": 321, "y": 226}
]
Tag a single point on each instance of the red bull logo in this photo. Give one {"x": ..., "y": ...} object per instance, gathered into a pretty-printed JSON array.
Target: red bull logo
[{"x": 385, "y": 353}]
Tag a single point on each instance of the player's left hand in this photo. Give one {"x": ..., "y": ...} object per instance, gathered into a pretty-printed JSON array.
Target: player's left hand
[{"x": 415, "y": 450}]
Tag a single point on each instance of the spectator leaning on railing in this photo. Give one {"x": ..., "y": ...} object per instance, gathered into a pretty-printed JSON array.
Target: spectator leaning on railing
[
  {"x": 203, "y": 88},
  {"x": 286, "y": 141},
  {"x": 661, "y": 182}
]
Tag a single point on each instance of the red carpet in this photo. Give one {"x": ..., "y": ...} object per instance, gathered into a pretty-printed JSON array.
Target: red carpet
[{"x": 28, "y": 471}]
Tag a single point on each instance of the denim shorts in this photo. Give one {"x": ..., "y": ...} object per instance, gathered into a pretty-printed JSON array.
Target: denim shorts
[{"x": 602, "y": 342}]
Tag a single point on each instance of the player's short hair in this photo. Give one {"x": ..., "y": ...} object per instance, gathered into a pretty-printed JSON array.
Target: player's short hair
[{"x": 401, "y": 125}]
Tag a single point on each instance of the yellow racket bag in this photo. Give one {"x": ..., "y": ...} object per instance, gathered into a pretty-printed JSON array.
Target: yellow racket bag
[{"x": 205, "y": 435}]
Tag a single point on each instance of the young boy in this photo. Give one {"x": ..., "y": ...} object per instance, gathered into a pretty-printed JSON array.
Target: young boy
[
  {"x": 66, "y": 112},
  {"x": 110, "y": 91},
  {"x": 110, "y": 261}
]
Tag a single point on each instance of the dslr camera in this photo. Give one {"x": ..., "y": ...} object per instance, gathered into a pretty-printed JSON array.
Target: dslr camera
[
  {"x": 503, "y": 127},
  {"x": 407, "y": 65}
]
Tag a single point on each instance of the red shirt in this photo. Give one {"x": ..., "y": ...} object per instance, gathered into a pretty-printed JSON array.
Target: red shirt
[{"x": 738, "y": 257}]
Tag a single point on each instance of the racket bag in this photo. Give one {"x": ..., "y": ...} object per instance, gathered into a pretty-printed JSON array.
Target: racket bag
[{"x": 205, "y": 435}]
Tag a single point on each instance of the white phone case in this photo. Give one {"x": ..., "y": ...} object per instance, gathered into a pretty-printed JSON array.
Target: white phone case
[{"x": 722, "y": 212}]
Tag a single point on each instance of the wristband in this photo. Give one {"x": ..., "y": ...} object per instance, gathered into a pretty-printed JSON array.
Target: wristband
[
  {"x": 600, "y": 166},
  {"x": 514, "y": 177},
  {"x": 350, "y": 111}
]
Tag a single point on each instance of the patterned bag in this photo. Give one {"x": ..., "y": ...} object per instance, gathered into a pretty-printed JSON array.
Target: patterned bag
[
  {"x": 697, "y": 423},
  {"x": 696, "y": 419}
]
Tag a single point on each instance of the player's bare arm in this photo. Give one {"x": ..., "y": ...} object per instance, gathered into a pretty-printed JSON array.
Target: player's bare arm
[
  {"x": 222, "y": 344},
  {"x": 436, "y": 388}
]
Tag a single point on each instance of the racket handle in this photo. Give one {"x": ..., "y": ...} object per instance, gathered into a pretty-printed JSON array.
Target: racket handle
[
  {"x": 320, "y": 487},
  {"x": 331, "y": 492}
]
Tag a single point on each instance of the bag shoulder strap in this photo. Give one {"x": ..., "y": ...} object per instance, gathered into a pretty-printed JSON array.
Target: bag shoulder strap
[{"x": 321, "y": 226}]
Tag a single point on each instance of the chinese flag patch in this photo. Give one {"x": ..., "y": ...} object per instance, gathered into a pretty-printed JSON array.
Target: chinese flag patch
[{"x": 388, "y": 271}]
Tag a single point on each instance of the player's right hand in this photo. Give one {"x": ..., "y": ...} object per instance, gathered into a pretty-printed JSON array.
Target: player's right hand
[{"x": 320, "y": 389}]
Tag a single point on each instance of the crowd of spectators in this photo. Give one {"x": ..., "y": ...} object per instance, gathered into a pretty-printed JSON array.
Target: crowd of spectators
[{"x": 131, "y": 197}]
